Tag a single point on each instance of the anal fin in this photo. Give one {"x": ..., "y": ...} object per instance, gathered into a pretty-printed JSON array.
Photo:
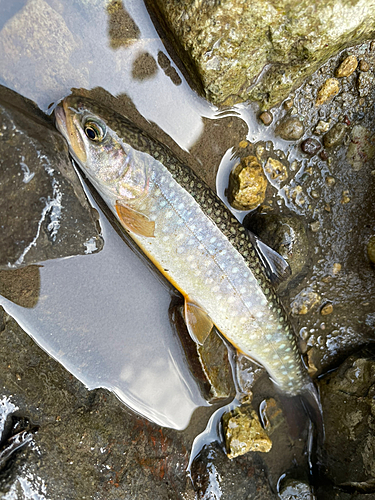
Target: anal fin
[{"x": 198, "y": 323}]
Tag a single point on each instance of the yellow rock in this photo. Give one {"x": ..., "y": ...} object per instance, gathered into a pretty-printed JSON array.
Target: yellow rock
[
  {"x": 276, "y": 171},
  {"x": 347, "y": 67},
  {"x": 244, "y": 433},
  {"x": 329, "y": 89},
  {"x": 247, "y": 184}
]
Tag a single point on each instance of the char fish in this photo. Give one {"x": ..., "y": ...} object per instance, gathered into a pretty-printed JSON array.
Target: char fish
[{"x": 190, "y": 236}]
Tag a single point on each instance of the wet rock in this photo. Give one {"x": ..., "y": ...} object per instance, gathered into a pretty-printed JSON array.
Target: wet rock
[
  {"x": 247, "y": 184},
  {"x": 304, "y": 302},
  {"x": 311, "y": 146},
  {"x": 144, "y": 67},
  {"x": 363, "y": 65},
  {"x": 266, "y": 117},
  {"x": 276, "y": 171},
  {"x": 21, "y": 286},
  {"x": 81, "y": 434},
  {"x": 213, "y": 356},
  {"x": 329, "y": 89},
  {"x": 214, "y": 476},
  {"x": 361, "y": 148},
  {"x": 326, "y": 309},
  {"x": 365, "y": 83},
  {"x": 45, "y": 212},
  {"x": 290, "y": 129},
  {"x": 347, "y": 67},
  {"x": 321, "y": 127},
  {"x": 288, "y": 104},
  {"x": 283, "y": 44},
  {"x": 296, "y": 490},
  {"x": 286, "y": 235},
  {"x": 347, "y": 396},
  {"x": 371, "y": 249},
  {"x": 243, "y": 433},
  {"x": 122, "y": 29},
  {"x": 335, "y": 135}
]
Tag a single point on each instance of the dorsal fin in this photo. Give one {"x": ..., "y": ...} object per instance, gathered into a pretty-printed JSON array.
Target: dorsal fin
[
  {"x": 198, "y": 323},
  {"x": 276, "y": 267},
  {"x": 134, "y": 221}
]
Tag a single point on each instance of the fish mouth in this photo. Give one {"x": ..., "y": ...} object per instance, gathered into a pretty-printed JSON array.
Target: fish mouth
[{"x": 65, "y": 125}]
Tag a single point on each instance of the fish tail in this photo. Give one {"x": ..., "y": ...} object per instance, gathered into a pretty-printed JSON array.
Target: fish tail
[{"x": 311, "y": 402}]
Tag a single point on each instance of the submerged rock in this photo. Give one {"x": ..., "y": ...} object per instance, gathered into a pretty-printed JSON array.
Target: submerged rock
[
  {"x": 290, "y": 129},
  {"x": 44, "y": 210},
  {"x": 328, "y": 90},
  {"x": 269, "y": 52},
  {"x": 347, "y": 67},
  {"x": 335, "y": 135}
]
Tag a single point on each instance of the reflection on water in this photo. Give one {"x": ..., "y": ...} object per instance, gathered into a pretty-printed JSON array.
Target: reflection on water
[{"x": 105, "y": 318}]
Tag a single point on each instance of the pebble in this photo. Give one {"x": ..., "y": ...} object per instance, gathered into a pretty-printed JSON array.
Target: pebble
[
  {"x": 364, "y": 65},
  {"x": 330, "y": 181},
  {"x": 336, "y": 268},
  {"x": 304, "y": 302},
  {"x": 326, "y": 309},
  {"x": 266, "y": 117},
  {"x": 315, "y": 226},
  {"x": 247, "y": 184},
  {"x": 276, "y": 170},
  {"x": 296, "y": 490},
  {"x": 335, "y": 135},
  {"x": 322, "y": 127},
  {"x": 347, "y": 67},
  {"x": 311, "y": 146},
  {"x": 344, "y": 197},
  {"x": 364, "y": 83},
  {"x": 243, "y": 433},
  {"x": 288, "y": 104},
  {"x": 290, "y": 129},
  {"x": 329, "y": 89},
  {"x": 371, "y": 249},
  {"x": 323, "y": 155}
]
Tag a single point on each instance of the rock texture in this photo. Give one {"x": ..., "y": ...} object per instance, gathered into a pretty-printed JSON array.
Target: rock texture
[
  {"x": 44, "y": 210},
  {"x": 237, "y": 50}
]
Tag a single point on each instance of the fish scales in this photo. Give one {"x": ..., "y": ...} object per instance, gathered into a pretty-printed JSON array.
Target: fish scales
[{"x": 197, "y": 243}]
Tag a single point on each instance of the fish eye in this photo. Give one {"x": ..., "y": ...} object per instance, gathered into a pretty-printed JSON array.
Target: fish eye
[{"x": 94, "y": 131}]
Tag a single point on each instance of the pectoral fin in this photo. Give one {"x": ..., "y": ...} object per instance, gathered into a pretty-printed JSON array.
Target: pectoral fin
[
  {"x": 198, "y": 323},
  {"x": 135, "y": 221}
]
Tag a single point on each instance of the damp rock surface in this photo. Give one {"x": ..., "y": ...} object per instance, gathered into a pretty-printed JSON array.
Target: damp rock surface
[
  {"x": 44, "y": 211},
  {"x": 269, "y": 52}
]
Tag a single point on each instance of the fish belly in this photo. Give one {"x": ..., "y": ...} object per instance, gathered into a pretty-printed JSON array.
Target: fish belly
[{"x": 195, "y": 256}]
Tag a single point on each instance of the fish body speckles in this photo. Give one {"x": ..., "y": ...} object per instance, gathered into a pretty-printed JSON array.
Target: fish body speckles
[{"x": 189, "y": 234}]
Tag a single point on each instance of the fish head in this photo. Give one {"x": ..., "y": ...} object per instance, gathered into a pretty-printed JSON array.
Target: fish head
[{"x": 111, "y": 164}]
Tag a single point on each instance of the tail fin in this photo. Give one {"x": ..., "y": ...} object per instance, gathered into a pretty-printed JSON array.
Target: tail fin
[{"x": 311, "y": 402}]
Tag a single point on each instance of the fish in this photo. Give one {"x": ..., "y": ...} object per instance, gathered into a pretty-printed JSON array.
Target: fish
[{"x": 192, "y": 238}]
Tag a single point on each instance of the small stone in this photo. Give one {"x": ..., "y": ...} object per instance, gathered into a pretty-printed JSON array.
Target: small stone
[
  {"x": 243, "y": 433},
  {"x": 330, "y": 181},
  {"x": 321, "y": 127},
  {"x": 371, "y": 249},
  {"x": 266, "y": 117},
  {"x": 372, "y": 46},
  {"x": 247, "y": 184},
  {"x": 304, "y": 302},
  {"x": 329, "y": 89},
  {"x": 365, "y": 83},
  {"x": 315, "y": 194},
  {"x": 336, "y": 268},
  {"x": 311, "y": 146},
  {"x": 276, "y": 171},
  {"x": 259, "y": 151},
  {"x": 288, "y": 104},
  {"x": 364, "y": 65},
  {"x": 335, "y": 135},
  {"x": 290, "y": 129},
  {"x": 315, "y": 226},
  {"x": 323, "y": 155},
  {"x": 344, "y": 197},
  {"x": 347, "y": 67},
  {"x": 312, "y": 361},
  {"x": 326, "y": 309},
  {"x": 243, "y": 144},
  {"x": 327, "y": 207},
  {"x": 296, "y": 490}
]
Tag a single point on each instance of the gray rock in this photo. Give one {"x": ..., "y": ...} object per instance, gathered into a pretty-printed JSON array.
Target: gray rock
[
  {"x": 335, "y": 135},
  {"x": 348, "y": 406},
  {"x": 290, "y": 129},
  {"x": 44, "y": 211},
  {"x": 270, "y": 51}
]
